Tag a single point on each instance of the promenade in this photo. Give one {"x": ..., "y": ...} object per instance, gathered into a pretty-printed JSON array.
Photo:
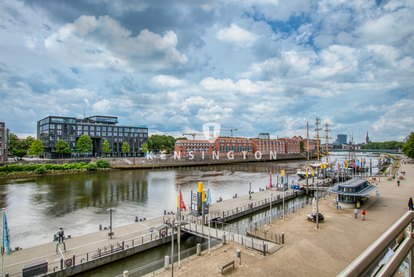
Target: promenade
[
  {"x": 85, "y": 247},
  {"x": 309, "y": 251}
]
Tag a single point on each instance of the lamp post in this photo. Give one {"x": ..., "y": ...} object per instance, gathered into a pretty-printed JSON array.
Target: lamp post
[
  {"x": 110, "y": 222},
  {"x": 270, "y": 215}
]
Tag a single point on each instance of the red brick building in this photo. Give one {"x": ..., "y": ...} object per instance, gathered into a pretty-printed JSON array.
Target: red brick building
[
  {"x": 235, "y": 145},
  {"x": 291, "y": 145},
  {"x": 265, "y": 146},
  {"x": 198, "y": 148}
]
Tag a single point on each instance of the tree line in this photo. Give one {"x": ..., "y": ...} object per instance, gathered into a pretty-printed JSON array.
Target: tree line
[{"x": 390, "y": 145}]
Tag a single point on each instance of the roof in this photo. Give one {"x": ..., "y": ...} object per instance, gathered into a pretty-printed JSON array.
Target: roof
[
  {"x": 353, "y": 183},
  {"x": 363, "y": 192},
  {"x": 193, "y": 141}
]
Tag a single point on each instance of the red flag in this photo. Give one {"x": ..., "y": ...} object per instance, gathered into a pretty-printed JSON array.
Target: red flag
[
  {"x": 339, "y": 167},
  {"x": 270, "y": 181},
  {"x": 354, "y": 164},
  {"x": 182, "y": 205}
]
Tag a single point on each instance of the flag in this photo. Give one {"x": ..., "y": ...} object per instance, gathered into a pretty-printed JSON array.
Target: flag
[
  {"x": 270, "y": 181},
  {"x": 358, "y": 164},
  {"x": 354, "y": 164},
  {"x": 339, "y": 167},
  {"x": 182, "y": 205},
  {"x": 6, "y": 236},
  {"x": 392, "y": 160}
]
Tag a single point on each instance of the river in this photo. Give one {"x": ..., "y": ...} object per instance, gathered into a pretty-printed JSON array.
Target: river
[{"x": 37, "y": 206}]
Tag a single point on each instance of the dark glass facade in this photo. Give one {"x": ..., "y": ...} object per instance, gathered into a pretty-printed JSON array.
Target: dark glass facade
[{"x": 99, "y": 128}]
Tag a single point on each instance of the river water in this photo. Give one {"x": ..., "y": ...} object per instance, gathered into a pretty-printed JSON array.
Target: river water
[{"x": 36, "y": 207}]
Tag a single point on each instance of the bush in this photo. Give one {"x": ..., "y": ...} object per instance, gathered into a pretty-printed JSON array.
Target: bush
[
  {"x": 103, "y": 163},
  {"x": 91, "y": 166},
  {"x": 41, "y": 170},
  {"x": 15, "y": 168},
  {"x": 29, "y": 167},
  {"x": 2, "y": 168}
]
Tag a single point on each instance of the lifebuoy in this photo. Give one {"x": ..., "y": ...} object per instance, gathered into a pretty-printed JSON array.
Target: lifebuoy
[
  {"x": 68, "y": 262},
  {"x": 163, "y": 233}
]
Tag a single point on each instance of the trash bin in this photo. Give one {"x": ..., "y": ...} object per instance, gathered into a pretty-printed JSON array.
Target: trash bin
[{"x": 377, "y": 192}]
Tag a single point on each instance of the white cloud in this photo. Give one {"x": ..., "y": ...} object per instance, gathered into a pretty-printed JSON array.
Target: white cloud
[
  {"x": 239, "y": 36},
  {"x": 215, "y": 114},
  {"x": 166, "y": 81},
  {"x": 104, "y": 43},
  {"x": 102, "y": 106}
]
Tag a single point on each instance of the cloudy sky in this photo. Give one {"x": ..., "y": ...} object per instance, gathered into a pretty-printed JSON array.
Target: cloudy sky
[{"x": 255, "y": 65}]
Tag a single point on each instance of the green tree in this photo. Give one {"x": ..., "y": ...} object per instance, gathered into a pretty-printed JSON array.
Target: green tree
[
  {"x": 183, "y": 138},
  {"x": 302, "y": 146},
  {"x": 20, "y": 153},
  {"x": 62, "y": 147},
  {"x": 105, "y": 147},
  {"x": 13, "y": 143},
  {"x": 36, "y": 148},
  {"x": 145, "y": 147},
  {"x": 84, "y": 144},
  {"x": 125, "y": 148},
  {"x": 25, "y": 144},
  {"x": 161, "y": 142},
  {"x": 408, "y": 148}
]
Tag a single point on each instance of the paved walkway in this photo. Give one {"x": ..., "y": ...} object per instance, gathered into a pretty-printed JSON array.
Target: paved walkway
[{"x": 309, "y": 251}]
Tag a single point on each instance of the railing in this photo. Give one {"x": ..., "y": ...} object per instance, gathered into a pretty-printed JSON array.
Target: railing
[
  {"x": 369, "y": 262},
  {"x": 102, "y": 252},
  {"x": 152, "y": 267}
]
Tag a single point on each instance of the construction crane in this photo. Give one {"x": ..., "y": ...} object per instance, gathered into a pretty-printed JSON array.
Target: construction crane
[
  {"x": 231, "y": 130},
  {"x": 194, "y": 135}
]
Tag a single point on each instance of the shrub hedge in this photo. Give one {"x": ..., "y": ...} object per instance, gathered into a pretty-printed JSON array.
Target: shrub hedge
[{"x": 103, "y": 163}]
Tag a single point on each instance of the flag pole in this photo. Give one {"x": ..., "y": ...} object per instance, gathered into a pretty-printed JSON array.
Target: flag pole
[
  {"x": 2, "y": 244},
  {"x": 209, "y": 202},
  {"x": 179, "y": 226}
]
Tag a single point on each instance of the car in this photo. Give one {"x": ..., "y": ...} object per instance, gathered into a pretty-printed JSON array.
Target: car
[{"x": 312, "y": 217}]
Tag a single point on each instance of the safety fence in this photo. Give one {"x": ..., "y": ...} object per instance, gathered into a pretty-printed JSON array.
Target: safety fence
[
  {"x": 116, "y": 247},
  {"x": 154, "y": 266}
]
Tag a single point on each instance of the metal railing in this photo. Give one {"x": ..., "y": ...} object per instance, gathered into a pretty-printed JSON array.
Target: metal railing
[
  {"x": 154, "y": 266},
  {"x": 369, "y": 262}
]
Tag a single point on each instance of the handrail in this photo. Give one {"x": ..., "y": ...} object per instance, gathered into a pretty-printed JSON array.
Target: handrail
[
  {"x": 391, "y": 267},
  {"x": 364, "y": 262}
]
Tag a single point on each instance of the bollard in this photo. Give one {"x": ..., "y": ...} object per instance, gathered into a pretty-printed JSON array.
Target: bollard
[
  {"x": 224, "y": 239},
  {"x": 136, "y": 219},
  {"x": 125, "y": 274},
  {"x": 167, "y": 262},
  {"x": 239, "y": 254},
  {"x": 165, "y": 212},
  {"x": 198, "y": 249},
  {"x": 283, "y": 238}
]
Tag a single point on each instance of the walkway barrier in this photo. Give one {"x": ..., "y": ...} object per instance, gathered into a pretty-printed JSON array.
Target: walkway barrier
[
  {"x": 154, "y": 266},
  {"x": 102, "y": 252},
  {"x": 373, "y": 261}
]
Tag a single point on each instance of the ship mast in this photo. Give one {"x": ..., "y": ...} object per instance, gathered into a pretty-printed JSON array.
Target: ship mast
[
  {"x": 327, "y": 138},
  {"x": 317, "y": 136},
  {"x": 307, "y": 141}
]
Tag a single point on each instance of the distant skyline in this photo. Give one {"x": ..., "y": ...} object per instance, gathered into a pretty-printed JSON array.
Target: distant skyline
[{"x": 259, "y": 66}]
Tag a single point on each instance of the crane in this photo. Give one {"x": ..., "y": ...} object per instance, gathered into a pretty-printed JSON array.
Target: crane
[
  {"x": 231, "y": 130},
  {"x": 193, "y": 134}
]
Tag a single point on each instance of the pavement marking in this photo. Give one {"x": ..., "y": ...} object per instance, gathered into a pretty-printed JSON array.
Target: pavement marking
[{"x": 61, "y": 252}]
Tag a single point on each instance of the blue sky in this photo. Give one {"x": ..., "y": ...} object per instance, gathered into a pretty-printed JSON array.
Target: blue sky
[{"x": 255, "y": 65}]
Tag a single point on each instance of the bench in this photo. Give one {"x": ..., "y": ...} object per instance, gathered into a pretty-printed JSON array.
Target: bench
[{"x": 227, "y": 265}]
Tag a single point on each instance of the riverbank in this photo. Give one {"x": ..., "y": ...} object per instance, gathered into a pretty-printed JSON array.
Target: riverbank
[
  {"x": 309, "y": 251},
  {"x": 23, "y": 174}
]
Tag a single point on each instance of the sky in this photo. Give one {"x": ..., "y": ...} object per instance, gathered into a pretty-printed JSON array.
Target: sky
[{"x": 173, "y": 65}]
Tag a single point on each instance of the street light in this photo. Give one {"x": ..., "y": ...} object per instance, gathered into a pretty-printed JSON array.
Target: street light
[
  {"x": 270, "y": 216},
  {"x": 173, "y": 225},
  {"x": 110, "y": 222}
]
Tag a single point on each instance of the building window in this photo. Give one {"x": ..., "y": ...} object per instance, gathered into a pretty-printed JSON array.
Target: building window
[
  {"x": 98, "y": 134},
  {"x": 120, "y": 129},
  {"x": 92, "y": 128},
  {"x": 115, "y": 129},
  {"x": 98, "y": 128},
  {"x": 110, "y": 134},
  {"x": 58, "y": 132},
  {"x": 103, "y": 134},
  {"x": 79, "y": 133},
  {"x": 103, "y": 128},
  {"x": 92, "y": 134},
  {"x": 109, "y": 129}
]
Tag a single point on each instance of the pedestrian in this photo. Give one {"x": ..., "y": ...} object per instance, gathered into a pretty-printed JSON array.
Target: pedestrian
[
  {"x": 363, "y": 215},
  {"x": 356, "y": 212},
  {"x": 61, "y": 235},
  {"x": 410, "y": 204},
  {"x": 398, "y": 182}
]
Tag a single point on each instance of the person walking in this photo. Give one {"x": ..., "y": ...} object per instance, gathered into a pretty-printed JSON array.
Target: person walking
[
  {"x": 60, "y": 234},
  {"x": 398, "y": 182},
  {"x": 356, "y": 212},
  {"x": 363, "y": 215}
]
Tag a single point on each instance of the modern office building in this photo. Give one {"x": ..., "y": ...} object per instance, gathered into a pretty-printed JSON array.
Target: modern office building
[
  {"x": 99, "y": 128},
  {"x": 4, "y": 142},
  {"x": 264, "y": 136},
  {"x": 342, "y": 138}
]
